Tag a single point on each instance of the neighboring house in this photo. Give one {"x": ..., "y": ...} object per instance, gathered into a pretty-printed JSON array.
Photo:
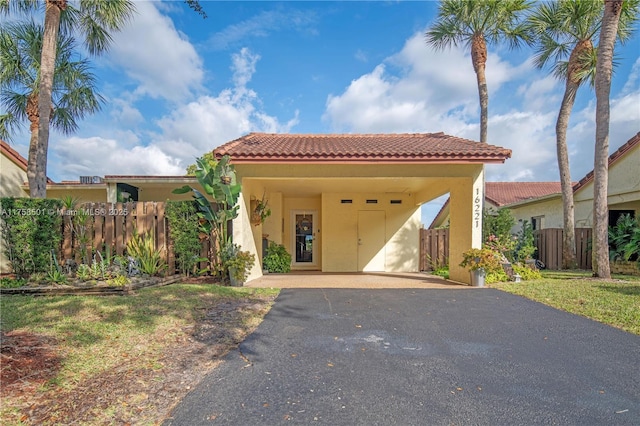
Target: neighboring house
[
  {"x": 117, "y": 188},
  {"x": 13, "y": 171},
  {"x": 540, "y": 203},
  {"x": 498, "y": 195},
  {"x": 351, "y": 202}
]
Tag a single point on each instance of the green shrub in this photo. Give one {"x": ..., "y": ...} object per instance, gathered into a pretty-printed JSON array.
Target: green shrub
[
  {"x": 30, "y": 230},
  {"x": 442, "y": 271},
  {"x": 183, "y": 230},
  {"x": 496, "y": 276},
  {"x": 277, "y": 259},
  {"x": 143, "y": 249},
  {"x": 240, "y": 264},
  {"x": 6, "y": 282},
  {"x": 526, "y": 273}
]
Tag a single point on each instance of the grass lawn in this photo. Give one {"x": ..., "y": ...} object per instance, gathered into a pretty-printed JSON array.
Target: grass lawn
[
  {"x": 615, "y": 302},
  {"x": 117, "y": 359}
]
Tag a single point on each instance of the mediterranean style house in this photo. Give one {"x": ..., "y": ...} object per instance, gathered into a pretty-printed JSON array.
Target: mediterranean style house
[
  {"x": 351, "y": 202},
  {"x": 339, "y": 202}
]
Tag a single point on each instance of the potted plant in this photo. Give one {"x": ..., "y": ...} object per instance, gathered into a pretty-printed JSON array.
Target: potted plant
[
  {"x": 238, "y": 263},
  {"x": 260, "y": 210},
  {"x": 479, "y": 262}
]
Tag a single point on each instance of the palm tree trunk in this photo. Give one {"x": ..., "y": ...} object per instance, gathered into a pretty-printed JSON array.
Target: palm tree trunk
[
  {"x": 37, "y": 167},
  {"x": 604, "y": 69},
  {"x": 479, "y": 59},
  {"x": 568, "y": 236}
]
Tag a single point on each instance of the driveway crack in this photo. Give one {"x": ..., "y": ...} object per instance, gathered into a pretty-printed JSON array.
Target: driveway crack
[{"x": 328, "y": 301}]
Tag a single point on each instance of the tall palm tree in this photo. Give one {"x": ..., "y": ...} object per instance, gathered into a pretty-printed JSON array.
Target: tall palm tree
[
  {"x": 475, "y": 23},
  {"x": 94, "y": 20},
  {"x": 616, "y": 12},
  {"x": 73, "y": 91},
  {"x": 564, "y": 38}
]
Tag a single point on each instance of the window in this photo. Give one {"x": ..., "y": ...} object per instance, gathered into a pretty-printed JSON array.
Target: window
[{"x": 536, "y": 222}]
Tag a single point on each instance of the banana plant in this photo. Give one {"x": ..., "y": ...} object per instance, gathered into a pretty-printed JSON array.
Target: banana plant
[{"x": 219, "y": 182}]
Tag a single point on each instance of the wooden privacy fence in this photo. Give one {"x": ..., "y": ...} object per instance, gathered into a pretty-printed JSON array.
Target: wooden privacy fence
[
  {"x": 549, "y": 244},
  {"x": 434, "y": 247},
  {"x": 110, "y": 226}
]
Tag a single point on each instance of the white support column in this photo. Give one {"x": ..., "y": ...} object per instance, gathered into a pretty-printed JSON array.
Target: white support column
[{"x": 243, "y": 235}]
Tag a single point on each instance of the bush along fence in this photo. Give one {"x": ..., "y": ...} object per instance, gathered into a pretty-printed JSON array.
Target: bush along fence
[{"x": 36, "y": 231}]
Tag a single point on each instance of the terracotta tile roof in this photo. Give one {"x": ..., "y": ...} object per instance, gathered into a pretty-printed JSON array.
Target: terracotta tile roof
[
  {"x": 15, "y": 156},
  {"x": 613, "y": 158},
  {"x": 348, "y": 148},
  {"x": 503, "y": 193}
]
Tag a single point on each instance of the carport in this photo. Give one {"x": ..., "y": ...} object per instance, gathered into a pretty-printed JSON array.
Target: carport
[{"x": 343, "y": 203}]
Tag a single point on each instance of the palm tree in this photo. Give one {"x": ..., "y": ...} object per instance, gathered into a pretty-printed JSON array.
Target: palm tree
[
  {"x": 564, "y": 37},
  {"x": 616, "y": 13},
  {"x": 94, "y": 20},
  {"x": 475, "y": 23},
  {"x": 73, "y": 89}
]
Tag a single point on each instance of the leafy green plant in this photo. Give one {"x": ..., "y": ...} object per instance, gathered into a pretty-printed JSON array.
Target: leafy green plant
[
  {"x": 30, "y": 229},
  {"x": 119, "y": 281},
  {"x": 525, "y": 248},
  {"x": 496, "y": 276},
  {"x": 624, "y": 239},
  {"x": 484, "y": 258},
  {"x": 7, "y": 282},
  {"x": 526, "y": 273},
  {"x": 261, "y": 211},
  {"x": 83, "y": 272},
  {"x": 219, "y": 181},
  {"x": 143, "y": 249},
  {"x": 183, "y": 217},
  {"x": 496, "y": 232},
  {"x": 277, "y": 259},
  {"x": 442, "y": 271},
  {"x": 240, "y": 265}
]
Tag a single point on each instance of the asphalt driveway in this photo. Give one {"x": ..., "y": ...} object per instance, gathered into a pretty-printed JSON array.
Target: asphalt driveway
[{"x": 421, "y": 357}]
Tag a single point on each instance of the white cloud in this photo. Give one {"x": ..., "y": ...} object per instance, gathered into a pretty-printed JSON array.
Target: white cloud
[
  {"x": 97, "y": 156},
  {"x": 420, "y": 90},
  {"x": 159, "y": 58},
  {"x": 263, "y": 24},
  {"x": 186, "y": 133}
]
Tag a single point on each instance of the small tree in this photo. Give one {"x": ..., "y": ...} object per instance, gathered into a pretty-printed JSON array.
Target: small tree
[{"x": 219, "y": 182}]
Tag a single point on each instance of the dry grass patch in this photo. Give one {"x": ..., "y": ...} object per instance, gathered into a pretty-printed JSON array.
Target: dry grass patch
[{"x": 114, "y": 359}]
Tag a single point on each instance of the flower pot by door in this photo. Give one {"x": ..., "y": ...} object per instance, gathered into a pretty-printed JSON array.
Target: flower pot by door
[{"x": 477, "y": 277}]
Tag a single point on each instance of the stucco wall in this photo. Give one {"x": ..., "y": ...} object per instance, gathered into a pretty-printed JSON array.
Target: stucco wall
[
  {"x": 551, "y": 210},
  {"x": 84, "y": 194},
  {"x": 465, "y": 231},
  {"x": 11, "y": 178},
  {"x": 623, "y": 189},
  {"x": 340, "y": 235}
]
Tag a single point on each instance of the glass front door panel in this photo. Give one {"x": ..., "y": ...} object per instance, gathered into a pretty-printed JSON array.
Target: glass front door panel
[{"x": 304, "y": 238}]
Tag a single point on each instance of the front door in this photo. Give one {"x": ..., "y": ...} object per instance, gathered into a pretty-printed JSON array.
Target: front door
[
  {"x": 371, "y": 241},
  {"x": 304, "y": 238}
]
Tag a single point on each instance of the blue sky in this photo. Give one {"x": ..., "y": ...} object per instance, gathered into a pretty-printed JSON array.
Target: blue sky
[{"x": 178, "y": 85}]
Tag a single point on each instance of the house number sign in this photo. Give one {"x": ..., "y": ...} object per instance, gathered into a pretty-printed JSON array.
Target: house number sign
[{"x": 477, "y": 208}]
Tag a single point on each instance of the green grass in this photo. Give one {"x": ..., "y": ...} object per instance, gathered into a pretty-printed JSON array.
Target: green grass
[
  {"x": 94, "y": 334},
  {"x": 614, "y": 302}
]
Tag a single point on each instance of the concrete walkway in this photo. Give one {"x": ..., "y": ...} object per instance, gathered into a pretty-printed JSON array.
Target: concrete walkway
[{"x": 314, "y": 279}]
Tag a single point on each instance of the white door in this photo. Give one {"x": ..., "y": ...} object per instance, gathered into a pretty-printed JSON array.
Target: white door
[
  {"x": 305, "y": 248},
  {"x": 371, "y": 241}
]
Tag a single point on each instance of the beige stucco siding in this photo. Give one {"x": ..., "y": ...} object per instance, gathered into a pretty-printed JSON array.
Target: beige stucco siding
[
  {"x": 340, "y": 230},
  {"x": 12, "y": 177},
  {"x": 465, "y": 229},
  {"x": 550, "y": 209},
  {"x": 623, "y": 189}
]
